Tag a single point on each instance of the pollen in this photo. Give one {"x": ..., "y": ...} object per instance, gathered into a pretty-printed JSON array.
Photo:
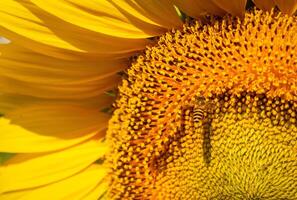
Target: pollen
[{"x": 210, "y": 113}]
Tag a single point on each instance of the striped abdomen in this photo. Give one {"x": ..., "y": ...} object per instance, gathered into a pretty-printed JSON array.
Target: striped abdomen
[{"x": 198, "y": 114}]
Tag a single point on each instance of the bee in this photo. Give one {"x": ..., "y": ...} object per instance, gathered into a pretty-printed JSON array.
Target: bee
[
  {"x": 201, "y": 118},
  {"x": 200, "y": 110}
]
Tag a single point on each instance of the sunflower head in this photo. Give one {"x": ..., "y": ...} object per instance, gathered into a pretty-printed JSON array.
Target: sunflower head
[
  {"x": 207, "y": 109},
  {"x": 210, "y": 113}
]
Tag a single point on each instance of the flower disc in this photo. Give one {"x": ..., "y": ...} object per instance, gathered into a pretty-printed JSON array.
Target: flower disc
[{"x": 210, "y": 113}]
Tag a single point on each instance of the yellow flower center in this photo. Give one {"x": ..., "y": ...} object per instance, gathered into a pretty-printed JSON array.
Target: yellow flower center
[{"x": 210, "y": 113}]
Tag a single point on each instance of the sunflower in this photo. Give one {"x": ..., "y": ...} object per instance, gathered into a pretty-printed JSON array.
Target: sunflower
[{"x": 206, "y": 107}]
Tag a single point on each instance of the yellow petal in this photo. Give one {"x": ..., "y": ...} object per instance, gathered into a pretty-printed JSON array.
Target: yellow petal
[
  {"x": 28, "y": 25},
  {"x": 41, "y": 128},
  {"x": 10, "y": 102},
  {"x": 101, "y": 16},
  {"x": 28, "y": 73},
  {"x": 155, "y": 12},
  {"x": 9, "y": 20},
  {"x": 234, "y": 7},
  {"x": 287, "y": 6},
  {"x": 75, "y": 187},
  {"x": 196, "y": 8},
  {"x": 99, "y": 193},
  {"x": 265, "y": 4},
  {"x": 63, "y": 91},
  {"x": 25, "y": 171}
]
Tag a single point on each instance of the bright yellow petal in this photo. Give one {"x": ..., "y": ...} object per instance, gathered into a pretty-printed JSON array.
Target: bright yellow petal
[
  {"x": 99, "y": 193},
  {"x": 265, "y": 4},
  {"x": 10, "y": 102},
  {"x": 25, "y": 171},
  {"x": 9, "y": 20},
  {"x": 287, "y": 6},
  {"x": 28, "y": 73},
  {"x": 55, "y": 91},
  {"x": 196, "y": 8},
  {"x": 42, "y": 128},
  {"x": 29, "y": 25},
  {"x": 234, "y": 7},
  {"x": 74, "y": 188},
  {"x": 103, "y": 16},
  {"x": 154, "y": 12}
]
